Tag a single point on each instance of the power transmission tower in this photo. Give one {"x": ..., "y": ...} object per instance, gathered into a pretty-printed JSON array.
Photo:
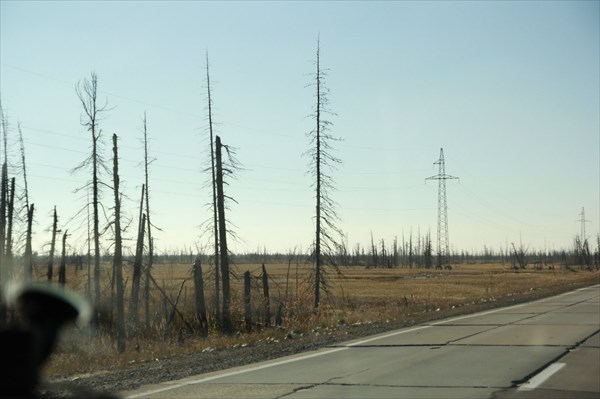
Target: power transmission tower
[
  {"x": 583, "y": 221},
  {"x": 443, "y": 251}
]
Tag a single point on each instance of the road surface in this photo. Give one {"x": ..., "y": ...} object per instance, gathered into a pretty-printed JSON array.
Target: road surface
[{"x": 549, "y": 348}]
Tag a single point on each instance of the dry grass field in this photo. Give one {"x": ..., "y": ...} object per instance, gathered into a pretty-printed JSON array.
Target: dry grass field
[{"x": 357, "y": 297}]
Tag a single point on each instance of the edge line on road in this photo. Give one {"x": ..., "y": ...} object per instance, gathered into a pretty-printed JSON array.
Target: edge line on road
[{"x": 539, "y": 378}]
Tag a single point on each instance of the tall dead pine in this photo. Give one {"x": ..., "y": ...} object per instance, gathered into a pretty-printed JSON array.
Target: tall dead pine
[
  {"x": 322, "y": 159},
  {"x": 87, "y": 92},
  {"x": 214, "y": 196},
  {"x": 148, "y": 268}
]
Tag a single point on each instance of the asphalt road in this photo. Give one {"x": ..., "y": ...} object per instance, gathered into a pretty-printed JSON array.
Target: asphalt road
[{"x": 549, "y": 348}]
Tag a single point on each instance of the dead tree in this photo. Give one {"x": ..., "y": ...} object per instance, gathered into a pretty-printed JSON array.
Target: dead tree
[
  {"x": 322, "y": 162},
  {"x": 224, "y": 255},
  {"x": 62, "y": 278},
  {"x": 519, "y": 257},
  {"x": 214, "y": 195},
  {"x": 137, "y": 266},
  {"x": 168, "y": 300},
  {"x": 118, "y": 256},
  {"x": 87, "y": 92},
  {"x": 428, "y": 252},
  {"x": 200, "y": 304},
  {"x": 3, "y": 200},
  {"x": 9, "y": 224},
  {"x": 28, "y": 251},
  {"x": 374, "y": 257},
  {"x": 3, "y": 203},
  {"x": 148, "y": 268},
  {"x": 266, "y": 299},
  {"x": 52, "y": 245},
  {"x": 247, "y": 304}
]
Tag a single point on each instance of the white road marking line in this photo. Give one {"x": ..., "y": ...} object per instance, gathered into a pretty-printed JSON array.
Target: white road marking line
[{"x": 539, "y": 378}]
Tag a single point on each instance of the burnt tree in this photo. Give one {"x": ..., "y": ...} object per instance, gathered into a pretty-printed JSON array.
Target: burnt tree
[
  {"x": 52, "y": 245},
  {"x": 137, "y": 266},
  {"x": 322, "y": 162},
  {"x": 227, "y": 325},
  {"x": 214, "y": 195},
  {"x": 62, "y": 278},
  {"x": 118, "y": 255},
  {"x": 87, "y": 92},
  {"x": 200, "y": 303}
]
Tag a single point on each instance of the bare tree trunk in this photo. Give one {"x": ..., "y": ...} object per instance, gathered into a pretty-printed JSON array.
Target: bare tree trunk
[
  {"x": 214, "y": 193},
  {"x": 148, "y": 269},
  {"x": 374, "y": 252},
  {"x": 265, "y": 283},
  {"x": 87, "y": 92},
  {"x": 95, "y": 210},
  {"x": 62, "y": 278},
  {"x": 52, "y": 245},
  {"x": 118, "y": 257},
  {"x": 168, "y": 300},
  {"x": 3, "y": 197},
  {"x": 318, "y": 189},
  {"x": 226, "y": 316},
  {"x": 247, "y": 305},
  {"x": 28, "y": 252},
  {"x": 200, "y": 304},
  {"x": 8, "y": 252},
  {"x": 137, "y": 267}
]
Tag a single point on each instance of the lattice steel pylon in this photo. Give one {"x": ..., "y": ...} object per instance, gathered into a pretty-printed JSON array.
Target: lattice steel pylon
[
  {"x": 443, "y": 251},
  {"x": 583, "y": 221}
]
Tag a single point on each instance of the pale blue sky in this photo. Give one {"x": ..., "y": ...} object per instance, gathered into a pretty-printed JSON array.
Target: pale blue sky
[{"x": 510, "y": 90}]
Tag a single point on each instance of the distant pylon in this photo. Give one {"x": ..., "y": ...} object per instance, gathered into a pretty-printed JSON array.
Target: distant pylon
[
  {"x": 443, "y": 251},
  {"x": 583, "y": 221}
]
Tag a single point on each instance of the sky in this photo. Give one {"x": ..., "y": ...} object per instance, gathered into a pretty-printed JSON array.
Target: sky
[{"x": 509, "y": 90}]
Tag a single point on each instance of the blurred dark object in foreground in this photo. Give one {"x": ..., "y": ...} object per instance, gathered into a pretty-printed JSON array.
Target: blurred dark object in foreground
[{"x": 27, "y": 342}]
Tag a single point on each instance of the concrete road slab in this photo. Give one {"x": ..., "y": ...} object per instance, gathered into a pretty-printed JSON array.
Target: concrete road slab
[
  {"x": 544, "y": 394},
  {"x": 592, "y": 342},
  {"x": 493, "y": 319},
  {"x": 533, "y": 309},
  {"x": 228, "y": 391},
  {"x": 570, "y": 319},
  {"x": 580, "y": 308},
  {"x": 429, "y": 336},
  {"x": 449, "y": 366},
  {"x": 362, "y": 392},
  {"x": 581, "y": 372},
  {"x": 403, "y": 366},
  {"x": 577, "y": 377},
  {"x": 521, "y": 334}
]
